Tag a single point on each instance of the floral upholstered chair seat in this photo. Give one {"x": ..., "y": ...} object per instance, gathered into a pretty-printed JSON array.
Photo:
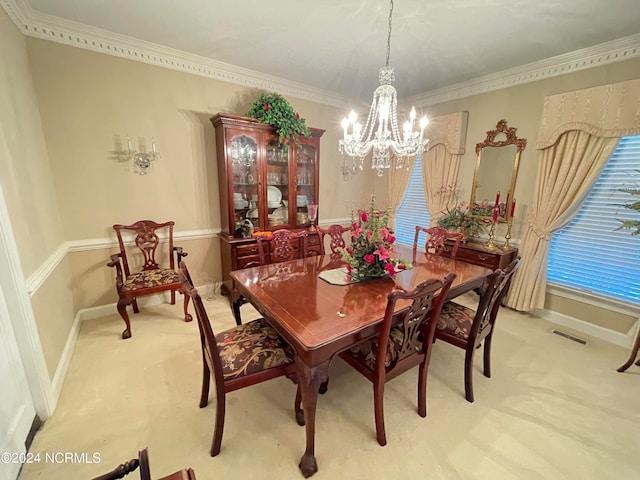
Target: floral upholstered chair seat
[
  {"x": 150, "y": 279},
  {"x": 456, "y": 320},
  {"x": 366, "y": 351},
  {"x": 252, "y": 347}
]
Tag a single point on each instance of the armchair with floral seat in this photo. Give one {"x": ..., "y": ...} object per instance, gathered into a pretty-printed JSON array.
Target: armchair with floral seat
[{"x": 151, "y": 278}]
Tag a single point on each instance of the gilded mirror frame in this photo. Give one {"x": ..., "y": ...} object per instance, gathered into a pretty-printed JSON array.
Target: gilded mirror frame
[{"x": 502, "y": 136}]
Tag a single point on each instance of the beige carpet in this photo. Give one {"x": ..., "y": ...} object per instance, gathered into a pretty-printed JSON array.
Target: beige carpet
[{"x": 554, "y": 409}]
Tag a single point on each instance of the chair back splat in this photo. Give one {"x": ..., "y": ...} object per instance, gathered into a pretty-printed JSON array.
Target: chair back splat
[
  {"x": 405, "y": 340},
  {"x": 242, "y": 356},
  {"x": 152, "y": 277},
  {"x": 282, "y": 246},
  {"x": 336, "y": 238},
  {"x": 436, "y": 240},
  {"x": 468, "y": 329}
]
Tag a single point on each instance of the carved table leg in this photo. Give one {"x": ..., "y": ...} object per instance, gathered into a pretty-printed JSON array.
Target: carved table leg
[
  {"x": 310, "y": 379},
  {"x": 634, "y": 354}
]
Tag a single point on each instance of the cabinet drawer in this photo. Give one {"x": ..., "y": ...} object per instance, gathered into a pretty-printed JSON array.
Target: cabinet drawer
[
  {"x": 246, "y": 250},
  {"x": 313, "y": 240},
  {"x": 248, "y": 261}
]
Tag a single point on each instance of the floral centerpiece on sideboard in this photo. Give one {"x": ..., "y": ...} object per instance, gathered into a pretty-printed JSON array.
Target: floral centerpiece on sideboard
[{"x": 369, "y": 255}]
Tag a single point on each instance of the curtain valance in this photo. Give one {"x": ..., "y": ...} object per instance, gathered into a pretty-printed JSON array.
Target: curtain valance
[
  {"x": 605, "y": 111},
  {"x": 449, "y": 130}
]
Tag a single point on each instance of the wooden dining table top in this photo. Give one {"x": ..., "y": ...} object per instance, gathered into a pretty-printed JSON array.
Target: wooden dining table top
[{"x": 312, "y": 313}]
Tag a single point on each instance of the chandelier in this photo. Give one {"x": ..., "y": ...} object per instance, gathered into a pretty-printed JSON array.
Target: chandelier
[{"x": 381, "y": 137}]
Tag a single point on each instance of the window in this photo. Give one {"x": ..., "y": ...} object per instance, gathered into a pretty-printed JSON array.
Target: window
[
  {"x": 589, "y": 254},
  {"x": 413, "y": 208}
]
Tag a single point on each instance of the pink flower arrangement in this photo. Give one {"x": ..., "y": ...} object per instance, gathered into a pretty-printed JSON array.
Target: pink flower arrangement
[{"x": 369, "y": 254}]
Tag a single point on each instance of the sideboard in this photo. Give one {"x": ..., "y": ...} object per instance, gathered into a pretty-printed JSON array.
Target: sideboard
[{"x": 475, "y": 252}]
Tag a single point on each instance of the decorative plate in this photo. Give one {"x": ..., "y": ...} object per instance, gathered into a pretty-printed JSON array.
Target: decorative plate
[{"x": 274, "y": 194}]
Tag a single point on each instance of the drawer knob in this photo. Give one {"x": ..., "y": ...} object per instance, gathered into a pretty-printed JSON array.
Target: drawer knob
[{"x": 483, "y": 257}]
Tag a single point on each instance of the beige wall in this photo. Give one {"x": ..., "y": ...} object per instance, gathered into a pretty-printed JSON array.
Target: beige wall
[
  {"x": 87, "y": 98},
  {"x": 26, "y": 177},
  {"x": 26, "y": 172}
]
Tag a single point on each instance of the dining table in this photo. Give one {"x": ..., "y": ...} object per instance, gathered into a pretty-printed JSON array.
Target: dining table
[{"x": 321, "y": 311}]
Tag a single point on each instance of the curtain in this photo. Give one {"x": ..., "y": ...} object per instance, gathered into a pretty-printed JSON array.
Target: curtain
[
  {"x": 578, "y": 133},
  {"x": 567, "y": 172},
  {"x": 439, "y": 174},
  {"x": 441, "y": 161}
]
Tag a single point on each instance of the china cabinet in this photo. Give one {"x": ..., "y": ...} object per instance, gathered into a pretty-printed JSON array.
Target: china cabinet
[{"x": 263, "y": 186}]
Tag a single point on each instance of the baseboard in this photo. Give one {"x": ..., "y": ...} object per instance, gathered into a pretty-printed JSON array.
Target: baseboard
[
  {"x": 65, "y": 358},
  {"x": 596, "y": 331}
]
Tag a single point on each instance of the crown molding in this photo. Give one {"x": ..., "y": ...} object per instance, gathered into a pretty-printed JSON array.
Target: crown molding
[
  {"x": 55, "y": 29},
  {"x": 596, "y": 56}
]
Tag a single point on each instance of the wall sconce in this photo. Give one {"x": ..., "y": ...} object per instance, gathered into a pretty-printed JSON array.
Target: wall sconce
[{"x": 141, "y": 159}]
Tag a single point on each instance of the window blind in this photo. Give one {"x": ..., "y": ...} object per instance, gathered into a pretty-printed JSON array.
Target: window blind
[
  {"x": 413, "y": 208},
  {"x": 590, "y": 254}
]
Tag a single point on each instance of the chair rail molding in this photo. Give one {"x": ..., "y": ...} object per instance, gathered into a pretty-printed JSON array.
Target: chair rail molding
[{"x": 37, "y": 278}]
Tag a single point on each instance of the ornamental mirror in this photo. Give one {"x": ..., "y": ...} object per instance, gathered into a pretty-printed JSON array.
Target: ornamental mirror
[{"x": 496, "y": 171}]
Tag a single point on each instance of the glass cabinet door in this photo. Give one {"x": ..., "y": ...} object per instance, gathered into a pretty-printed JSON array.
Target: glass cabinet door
[
  {"x": 277, "y": 176},
  {"x": 243, "y": 150},
  {"x": 305, "y": 180}
]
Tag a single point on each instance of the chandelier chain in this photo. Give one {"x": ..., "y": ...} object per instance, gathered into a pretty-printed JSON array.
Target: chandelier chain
[{"x": 389, "y": 34}]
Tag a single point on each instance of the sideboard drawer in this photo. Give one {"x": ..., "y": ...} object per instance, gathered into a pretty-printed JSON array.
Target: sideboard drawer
[
  {"x": 483, "y": 259},
  {"x": 478, "y": 254}
]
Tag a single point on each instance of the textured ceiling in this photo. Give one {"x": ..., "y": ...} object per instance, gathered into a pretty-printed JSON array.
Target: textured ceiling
[{"x": 338, "y": 45}]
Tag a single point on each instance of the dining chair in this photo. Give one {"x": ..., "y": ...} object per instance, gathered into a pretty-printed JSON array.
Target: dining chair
[
  {"x": 242, "y": 356},
  {"x": 405, "y": 340},
  {"x": 142, "y": 463},
  {"x": 467, "y": 328},
  {"x": 141, "y": 251},
  {"x": 336, "y": 238},
  {"x": 436, "y": 238},
  {"x": 281, "y": 246}
]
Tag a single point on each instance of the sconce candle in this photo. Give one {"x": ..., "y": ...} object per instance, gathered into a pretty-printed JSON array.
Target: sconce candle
[
  {"x": 142, "y": 160},
  {"x": 513, "y": 207}
]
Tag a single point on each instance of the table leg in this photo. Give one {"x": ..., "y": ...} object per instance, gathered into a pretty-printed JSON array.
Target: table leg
[{"x": 309, "y": 379}]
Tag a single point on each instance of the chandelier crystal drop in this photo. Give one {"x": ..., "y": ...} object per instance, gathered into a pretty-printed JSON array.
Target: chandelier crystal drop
[{"x": 380, "y": 136}]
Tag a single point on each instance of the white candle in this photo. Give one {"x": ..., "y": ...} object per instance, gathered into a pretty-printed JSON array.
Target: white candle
[
  {"x": 128, "y": 144},
  {"x": 153, "y": 146}
]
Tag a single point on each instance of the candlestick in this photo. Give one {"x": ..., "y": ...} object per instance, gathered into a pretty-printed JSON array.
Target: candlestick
[
  {"x": 490, "y": 244},
  {"x": 507, "y": 237}
]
